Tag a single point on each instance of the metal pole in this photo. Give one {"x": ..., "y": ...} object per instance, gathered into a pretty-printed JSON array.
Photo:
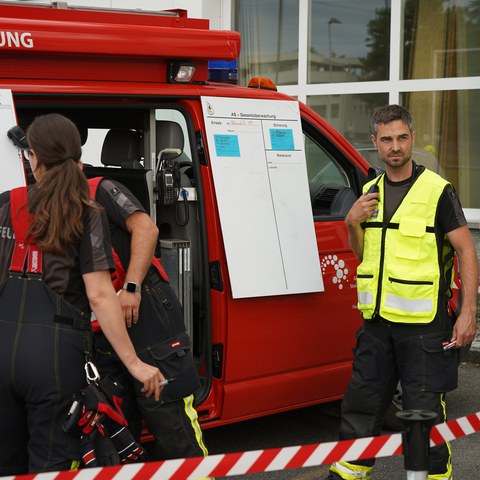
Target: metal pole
[
  {"x": 416, "y": 441},
  {"x": 329, "y": 51}
]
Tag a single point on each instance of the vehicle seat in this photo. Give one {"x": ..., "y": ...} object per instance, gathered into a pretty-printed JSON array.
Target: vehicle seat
[{"x": 122, "y": 148}]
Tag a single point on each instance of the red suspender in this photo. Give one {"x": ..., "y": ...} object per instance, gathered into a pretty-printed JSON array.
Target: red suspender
[
  {"x": 93, "y": 183},
  {"x": 156, "y": 263},
  {"x": 24, "y": 248}
]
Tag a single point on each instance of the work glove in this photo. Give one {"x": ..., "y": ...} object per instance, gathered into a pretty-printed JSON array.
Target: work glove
[
  {"x": 98, "y": 402},
  {"x": 88, "y": 452},
  {"x": 96, "y": 416},
  {"x": 127, "y": 447}
]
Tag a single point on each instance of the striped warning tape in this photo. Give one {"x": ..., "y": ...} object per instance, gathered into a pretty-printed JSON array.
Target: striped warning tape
[
  {"x": 256, "y": 461},
  {"x": 445, "y": 432}
]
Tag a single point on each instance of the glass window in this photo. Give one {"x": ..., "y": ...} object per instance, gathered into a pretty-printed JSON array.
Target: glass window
[
  {"x": 92, "y": 149},
  {"x": 349, "y": 114},
  {"x": 330, "y": 191},
  {"x": 269, "y": 32},
  {"x": 446, "y": 124},
  {"x": 441, "y": 39},
  {"x": 349, "y": 41}
]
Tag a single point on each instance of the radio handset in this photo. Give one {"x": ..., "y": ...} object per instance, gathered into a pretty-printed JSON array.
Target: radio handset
[
  {"x": 374, "y": 189},
  {"x": 168, "y": 177}
]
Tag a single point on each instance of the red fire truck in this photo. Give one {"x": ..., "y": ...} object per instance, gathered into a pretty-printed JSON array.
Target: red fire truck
[{"x": 249, "y": 189}]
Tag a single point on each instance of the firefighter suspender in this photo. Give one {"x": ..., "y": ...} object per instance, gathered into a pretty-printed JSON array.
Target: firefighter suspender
[{"x": 27, "y": 257}]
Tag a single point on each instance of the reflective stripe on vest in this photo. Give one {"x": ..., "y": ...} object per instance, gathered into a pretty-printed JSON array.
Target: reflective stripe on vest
[{"x": 400, "y": 276}]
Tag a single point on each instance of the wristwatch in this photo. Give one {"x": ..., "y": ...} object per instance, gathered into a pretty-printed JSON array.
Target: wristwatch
[{"x": 132, "y": 287}]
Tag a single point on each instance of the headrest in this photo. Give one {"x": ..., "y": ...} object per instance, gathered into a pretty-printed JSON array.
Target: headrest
[
  {"x": 169, "y": 135},
  {"x": 122, "y": 148},
  {"x": 83, "y": 134}
]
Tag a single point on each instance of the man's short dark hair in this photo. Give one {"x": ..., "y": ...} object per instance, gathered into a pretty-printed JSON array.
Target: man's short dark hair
[{"x": 388, "y": 114}]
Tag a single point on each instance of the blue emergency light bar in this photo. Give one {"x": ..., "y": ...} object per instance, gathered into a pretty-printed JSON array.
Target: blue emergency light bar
[{"x": 223, "y": 71}]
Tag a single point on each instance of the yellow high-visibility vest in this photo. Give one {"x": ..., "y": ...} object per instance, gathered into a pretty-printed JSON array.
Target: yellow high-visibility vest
[{"x": 404, "y": 263}]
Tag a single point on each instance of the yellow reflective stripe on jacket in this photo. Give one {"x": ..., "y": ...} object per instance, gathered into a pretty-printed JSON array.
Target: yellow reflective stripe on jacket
[
  {"x": 400, "y": 275},
  {"x": 350, "y": 471},
  {"x": 410, "y": 305}
]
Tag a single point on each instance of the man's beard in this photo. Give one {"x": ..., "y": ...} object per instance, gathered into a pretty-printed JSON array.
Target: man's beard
[{"x": 397, "y": 162}]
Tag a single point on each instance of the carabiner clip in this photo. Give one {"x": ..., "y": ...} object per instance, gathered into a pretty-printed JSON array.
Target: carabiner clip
[{"x": 91, "y": 372}]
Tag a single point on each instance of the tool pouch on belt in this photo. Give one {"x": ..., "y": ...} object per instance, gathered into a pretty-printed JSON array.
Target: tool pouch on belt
[
  {"x": 160, "y": 337},
  {"x": 174, "y": 359}
]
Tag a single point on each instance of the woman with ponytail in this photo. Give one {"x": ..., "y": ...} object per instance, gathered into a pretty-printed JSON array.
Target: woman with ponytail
[{"x": 55, "y": 263}]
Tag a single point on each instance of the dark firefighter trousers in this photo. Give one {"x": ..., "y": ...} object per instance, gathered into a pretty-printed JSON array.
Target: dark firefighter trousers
[
  {"x": 173, "y": 422},
  {"x": 43, "y": 344},
  {"x": 387, "y": 352}
]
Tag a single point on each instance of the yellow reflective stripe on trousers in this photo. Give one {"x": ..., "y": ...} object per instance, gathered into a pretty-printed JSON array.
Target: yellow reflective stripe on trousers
[
  {"x": 349, "y": 471},
  {"x": 409, "y": 304},
  {"x": 75, "y": 465},
  {"x": 192, "y": 415},
  {"x": 448, "y": 474}
]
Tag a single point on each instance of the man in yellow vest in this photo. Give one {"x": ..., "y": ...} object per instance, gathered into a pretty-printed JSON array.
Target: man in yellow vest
[{"x": 405, "y": 230}]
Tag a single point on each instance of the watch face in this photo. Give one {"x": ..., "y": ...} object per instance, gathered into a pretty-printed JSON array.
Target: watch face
[{"x": 131, "y": 287}]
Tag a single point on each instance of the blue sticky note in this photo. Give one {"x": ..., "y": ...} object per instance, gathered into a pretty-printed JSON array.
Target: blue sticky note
[
  {"x": 282, "y": 139},
  {"x": 226, "y": 145}
]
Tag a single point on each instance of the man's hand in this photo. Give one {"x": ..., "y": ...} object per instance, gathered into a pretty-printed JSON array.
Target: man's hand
[
  {"x": 465, "y": 329},
  {"x": 130, "y": 303},
  {"x": 150, "y": 376},
  {"x": 361, "y": 211}
]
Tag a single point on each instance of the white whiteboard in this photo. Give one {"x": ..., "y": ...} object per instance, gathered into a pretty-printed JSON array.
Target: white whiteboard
[
  {"x": 261, "y": 184},
  {"x": 11, "y": 159}
]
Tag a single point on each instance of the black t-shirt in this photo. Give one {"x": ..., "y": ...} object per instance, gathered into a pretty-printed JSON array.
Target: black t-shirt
[
  {"x": 92, "y": 252},
  {"x": 119, "y": 203},
  {"x": 450, "y": 215}
]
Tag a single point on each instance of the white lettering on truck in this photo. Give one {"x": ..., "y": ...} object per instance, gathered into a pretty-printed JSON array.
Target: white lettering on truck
[{"x": 15, "y": 39}]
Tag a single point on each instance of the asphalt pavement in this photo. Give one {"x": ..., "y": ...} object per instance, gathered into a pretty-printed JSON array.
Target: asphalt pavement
[
  {"x": 473, "y": 355},
  {"x": 319, "y": 424}
]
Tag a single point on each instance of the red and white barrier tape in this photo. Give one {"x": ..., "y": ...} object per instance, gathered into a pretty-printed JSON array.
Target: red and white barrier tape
[{"x": 256, "y": 461}]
